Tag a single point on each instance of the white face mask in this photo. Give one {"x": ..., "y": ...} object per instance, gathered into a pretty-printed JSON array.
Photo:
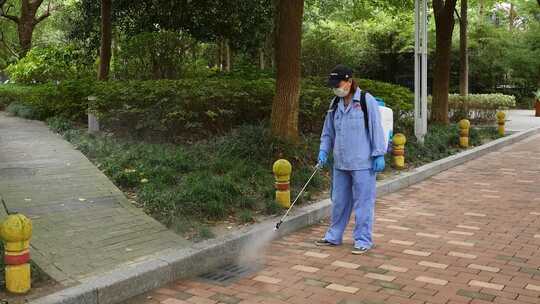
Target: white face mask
[{"x": 340, "y": 92}]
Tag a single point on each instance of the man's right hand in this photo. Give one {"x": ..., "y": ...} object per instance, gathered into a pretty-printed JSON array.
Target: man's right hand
[{"x": 323, "y": 157}]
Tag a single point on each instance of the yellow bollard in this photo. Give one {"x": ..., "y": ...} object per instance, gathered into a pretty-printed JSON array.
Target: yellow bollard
[
  {"x": 16, "y": 232},
  {"x": 464, "y": 126},
  {"x": 282, "y": 172},
  {"x": 398, "y": 151},
  {"x": 501, "y": 119}
]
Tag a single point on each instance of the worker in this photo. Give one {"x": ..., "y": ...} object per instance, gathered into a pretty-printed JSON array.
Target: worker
[{"x": 354, "y": 133}]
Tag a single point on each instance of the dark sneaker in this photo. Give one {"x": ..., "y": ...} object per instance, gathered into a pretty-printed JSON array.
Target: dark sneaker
[
  {"x": 323, "y": 242},
  {"x": 359, "y": 250}
]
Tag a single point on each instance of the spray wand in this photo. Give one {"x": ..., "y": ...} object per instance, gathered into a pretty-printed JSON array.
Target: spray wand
[{"x": 317, "y": 168}]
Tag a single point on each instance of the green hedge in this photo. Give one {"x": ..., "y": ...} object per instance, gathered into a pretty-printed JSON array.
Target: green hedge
[
  {"x": 190, "y": 106},
  {"x": 478, "y": 107},
  {"x": 53, "y": 62}
]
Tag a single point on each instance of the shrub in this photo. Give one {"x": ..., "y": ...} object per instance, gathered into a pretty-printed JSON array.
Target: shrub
[
  {"x": 207, "y": 180},
  {"x": 442, "y": 141},
  {"x": 67, "y": 99},
  {"x": 14, "y": 93},
  {"x": 52, "y": 63},
  {"x": 478, "y": 107},
  {"x": 155, "y": 55},
  {"x": 21, "y": 110},
  {"x": 246, "y": 216},
  {"x": 190, "y": 107},
  {"x": 59, "y": 125}
]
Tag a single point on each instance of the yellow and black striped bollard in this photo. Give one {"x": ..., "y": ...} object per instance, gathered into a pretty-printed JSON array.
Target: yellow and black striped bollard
[
  {"x": 282, "y": 172},
  {"x": 16, "y": 232},
  {"x": 501, "y": 120},
  {"x": 398, "y": 141},
  {"x": 464, "y": 127}
]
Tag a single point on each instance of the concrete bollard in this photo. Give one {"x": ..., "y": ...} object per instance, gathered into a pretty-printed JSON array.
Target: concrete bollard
[
  {"x": 501, "y": 120},
  {"x": 16, "y": 232},
  {"x": 464, "y": 127},
  {"x": 398, "y": 151},
  {"x": 282, "y": 172}
]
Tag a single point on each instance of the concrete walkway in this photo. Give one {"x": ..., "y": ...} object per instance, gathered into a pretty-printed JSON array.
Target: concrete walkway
[
  {"x": 82, "y": 222},
  {"x": 520, "y": 120},
  {"x": 468, "y": 235}
]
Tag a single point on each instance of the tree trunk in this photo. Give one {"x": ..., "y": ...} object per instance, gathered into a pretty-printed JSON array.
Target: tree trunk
[
  {"x": 285, "y": 106},
  {"x": 261, "y": 59},
  {"x": 227, "y": 56},
  {"x": 220, "y": 54},
  {"x": 26, "y": 27},
  {"x": 25, "y": 31},
  {"x": 444, "y": 26},
  {"x": 106, "y": 38},
  {"x": 274, "y": 35},
  {"x": 26, "y": 22},
  {"x": 463, "y": 51}
]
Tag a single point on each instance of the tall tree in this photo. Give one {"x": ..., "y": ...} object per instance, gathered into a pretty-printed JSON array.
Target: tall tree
[
  {"x": 285, "y": 106},
  {"x": 444, "y": 27},
  {"x": 106, "y": 39},
  {"x": 463, "y": 51},
  {"x": 26, "y": 21}
]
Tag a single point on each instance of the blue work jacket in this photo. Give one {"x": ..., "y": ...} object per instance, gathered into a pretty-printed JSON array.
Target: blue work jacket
[{"x": 353, "y": 146}]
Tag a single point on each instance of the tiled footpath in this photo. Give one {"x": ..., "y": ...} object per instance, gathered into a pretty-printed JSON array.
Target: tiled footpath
[
  {"x": 82, "y": 223},
  {"x": 467, "y": 235}
]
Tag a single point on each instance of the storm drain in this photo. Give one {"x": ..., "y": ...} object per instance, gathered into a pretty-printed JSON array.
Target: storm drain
[{"x": 229, "y": 273}]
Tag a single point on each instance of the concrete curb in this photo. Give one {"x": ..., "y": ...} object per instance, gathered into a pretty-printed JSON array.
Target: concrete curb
[{"x": 161, "y": 268}]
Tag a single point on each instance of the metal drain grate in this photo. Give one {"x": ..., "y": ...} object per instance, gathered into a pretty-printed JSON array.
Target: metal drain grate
[{"x": 230, "y": 273}]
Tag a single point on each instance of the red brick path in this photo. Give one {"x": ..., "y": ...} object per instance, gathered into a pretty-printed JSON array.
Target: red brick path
[{"x": 468, "y": 235}]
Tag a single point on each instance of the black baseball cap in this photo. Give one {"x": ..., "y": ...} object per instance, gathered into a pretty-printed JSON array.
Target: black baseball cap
[{"x": 339, "y": 73}]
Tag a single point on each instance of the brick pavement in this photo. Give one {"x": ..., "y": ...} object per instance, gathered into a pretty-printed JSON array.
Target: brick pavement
[
  {"x": 82, "y": 223},
  {"x": 467, "y": 235}
]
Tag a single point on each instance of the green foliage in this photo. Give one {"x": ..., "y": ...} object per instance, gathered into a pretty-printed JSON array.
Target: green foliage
[
  {"x": 156, "y": 55},
  {"x": 503, "y": 61},
  {"x": 189, "y": 108},
  {"x": 372, "y": 37},
  {"x": 204, "y": 233},
  {"x": 244, "y": 22},
  {"x": 67, "y": 99},
  {"x": 209, "y": 180},
  {"x": 21, "y": 110},
  {"x": 191, "y": 229},
  {"x": 12, "y": 93},
  {"x": 537, "y": 94},
  {"x": 52, "y": 63},
  {"x": 483, "y": 101},
  {"x": 478, "y": 107},
  {"x": 442, "y": 141},
  {"x": 246, "y": 216}
]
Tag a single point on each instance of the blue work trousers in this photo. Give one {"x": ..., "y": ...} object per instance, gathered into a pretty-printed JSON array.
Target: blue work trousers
[{"x": 353, "y": 191}]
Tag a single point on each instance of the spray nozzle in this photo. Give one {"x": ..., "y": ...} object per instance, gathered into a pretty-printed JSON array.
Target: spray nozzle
[{"x": 277, "y": 225}]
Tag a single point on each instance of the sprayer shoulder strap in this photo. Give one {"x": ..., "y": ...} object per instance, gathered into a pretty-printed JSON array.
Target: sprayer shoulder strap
[{"x": 363, "y": 104}]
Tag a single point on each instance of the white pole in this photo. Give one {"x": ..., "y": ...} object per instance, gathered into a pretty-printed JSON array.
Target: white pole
[
  {"x": 424, "y": 67},
  {"x": 420, "y": 69}
]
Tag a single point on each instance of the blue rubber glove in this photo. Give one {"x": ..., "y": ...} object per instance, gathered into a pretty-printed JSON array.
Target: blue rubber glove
[
  {"x": 323, "y": 157},
  {"x": 378, "y": 163}
]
